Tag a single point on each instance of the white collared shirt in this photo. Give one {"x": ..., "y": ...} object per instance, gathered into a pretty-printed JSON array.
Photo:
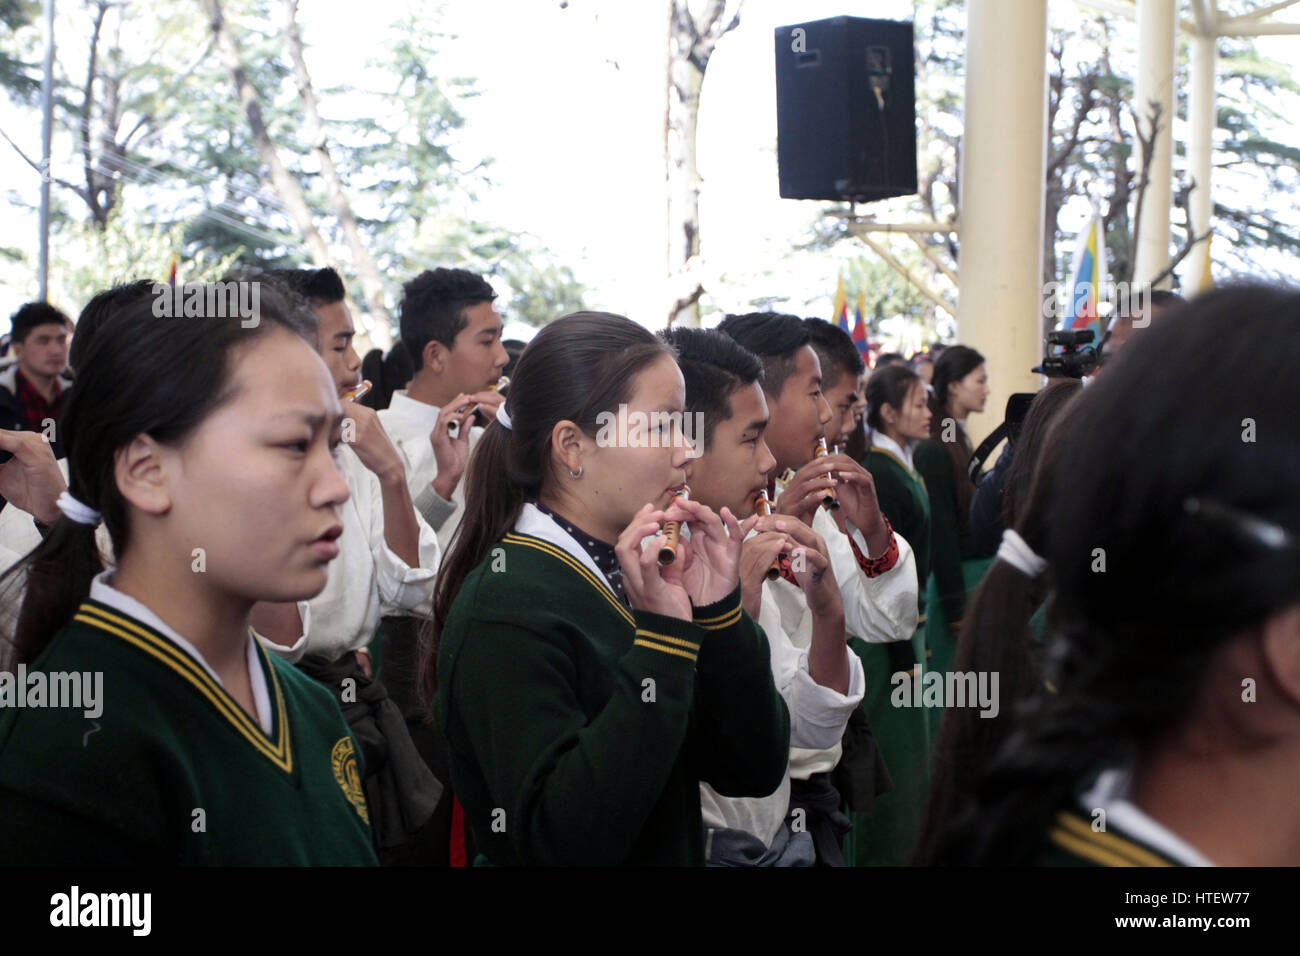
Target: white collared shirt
[
  {"x": 879, "y": 610},
  {"x": 409, "y": 423},
  {"x": 818, "y": 715},
  {"x": 533, "y": 521},
  {"x": 103, "y": 592},
  {"x": 367, "y": 580},
  {"x": 1111, "y": 793},
  {"x": 901, "y": 452}
]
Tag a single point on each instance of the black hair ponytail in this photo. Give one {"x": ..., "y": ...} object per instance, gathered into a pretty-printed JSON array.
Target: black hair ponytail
[
  {"x": 1148, "y": 587},
  {"x": 576, "y": 367}
]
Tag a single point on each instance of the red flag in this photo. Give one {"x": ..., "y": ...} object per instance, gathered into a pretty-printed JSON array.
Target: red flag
[{"x": 860, "y": 329}]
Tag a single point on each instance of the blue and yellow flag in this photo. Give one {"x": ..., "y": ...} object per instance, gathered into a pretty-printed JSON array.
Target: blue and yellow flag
[
  {"x": 1086, "y": 276},
  {"x": 841, "y": 314}
]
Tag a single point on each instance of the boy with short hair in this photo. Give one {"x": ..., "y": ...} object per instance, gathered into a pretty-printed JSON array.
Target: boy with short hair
[
  {"x": 32, "y": 389},
  {"x": 801, "y": 612},
  {"x": 873, "y": 566},
  {"x": 453, "y": 333}
]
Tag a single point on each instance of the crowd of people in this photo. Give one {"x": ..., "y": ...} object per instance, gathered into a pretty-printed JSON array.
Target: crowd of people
[{"x": 266, "y": 601}]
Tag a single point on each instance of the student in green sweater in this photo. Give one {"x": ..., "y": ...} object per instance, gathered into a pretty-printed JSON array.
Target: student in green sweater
[
  {"x": 1171, "y": 734},
  {"x": 586, "y": 691},
  {"x": 960, "y": 387},
  {"x": 141, "y": 722},
  {"x": 898, "y": 418}
]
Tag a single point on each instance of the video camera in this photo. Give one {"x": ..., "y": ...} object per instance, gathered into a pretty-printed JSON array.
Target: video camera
[{"x": 1077, "y": 358}]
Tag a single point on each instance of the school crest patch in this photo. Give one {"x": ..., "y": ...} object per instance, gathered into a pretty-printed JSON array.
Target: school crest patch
[{"x": 343, "y": 758}]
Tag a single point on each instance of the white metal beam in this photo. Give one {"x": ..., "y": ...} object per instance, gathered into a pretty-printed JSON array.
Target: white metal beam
[
  {"x": 1207, "y": 16},
  {"x": 859, "y": 226},
  {"x": 1260, "y": 12},
  {"x": 892, "y": 261},
  {"x": 1258, "y": 29},
  {"x": 935, "y": 261}
]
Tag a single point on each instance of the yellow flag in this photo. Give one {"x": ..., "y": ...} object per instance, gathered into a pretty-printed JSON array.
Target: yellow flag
[{"x": 839, "y": 299}]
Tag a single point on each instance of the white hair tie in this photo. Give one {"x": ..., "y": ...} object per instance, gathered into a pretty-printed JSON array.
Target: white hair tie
[
  {"x": 74, "y": 510},
  {"x": 504, "y": 417},
  {"x": 1015, "y": 552}
]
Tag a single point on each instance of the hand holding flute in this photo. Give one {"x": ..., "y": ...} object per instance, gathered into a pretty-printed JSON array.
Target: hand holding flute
[{"x": 763, "y": 508}]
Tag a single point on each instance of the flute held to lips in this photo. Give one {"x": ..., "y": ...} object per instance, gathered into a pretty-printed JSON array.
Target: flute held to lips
[
  {"x": 501, "y": 384},
  {"x": 829, "y": 501},
  {"x": 764, "y": 508},
  {"x": 672, "y": 530},
  {"x": 355, "y": 393}
]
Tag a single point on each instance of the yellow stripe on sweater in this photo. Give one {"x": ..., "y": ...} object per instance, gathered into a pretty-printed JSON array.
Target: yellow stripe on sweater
[
  {"x": 667, "y": 650},
  {"x": 547, "y": 548},
  {"x": 181, "y": 663},
  {"x": 1109, "y": 841}
]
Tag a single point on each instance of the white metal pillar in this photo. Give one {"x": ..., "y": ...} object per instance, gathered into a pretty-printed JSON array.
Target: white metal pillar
[
  {"x": 1200, "y": 144},
  {"x": 1003, "y": 164},
  {"x": 1155, "y": 82}
]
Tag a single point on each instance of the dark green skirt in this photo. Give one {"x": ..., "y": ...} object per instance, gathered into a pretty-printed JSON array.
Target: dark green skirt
[{"x": 885, "y": 835}]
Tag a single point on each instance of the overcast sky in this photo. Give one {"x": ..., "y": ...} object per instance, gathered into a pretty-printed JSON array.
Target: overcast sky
[{"x": 571, "y": 108}]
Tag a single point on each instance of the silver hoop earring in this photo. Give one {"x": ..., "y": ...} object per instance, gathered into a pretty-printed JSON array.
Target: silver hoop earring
[{"x": 579, "y": 472}]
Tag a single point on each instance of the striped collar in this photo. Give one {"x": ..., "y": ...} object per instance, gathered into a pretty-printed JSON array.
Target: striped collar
[
  {"x": 165, "y": 651},
  {"x": 1110, "y": 792},
  {"x": 103, "y": 592},
  {"x": 538, "y": 530},
  {"x": 1075, "y": 832},
  {"x": 883, "y": 443}
]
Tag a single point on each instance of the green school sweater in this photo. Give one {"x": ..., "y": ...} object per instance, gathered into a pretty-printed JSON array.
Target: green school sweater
[
  {"x": 950, "y": 545},
  {"x": 174, "y": 771},
  {"x": 885, "y": 835},
  {"x": 580, "y": 730}
]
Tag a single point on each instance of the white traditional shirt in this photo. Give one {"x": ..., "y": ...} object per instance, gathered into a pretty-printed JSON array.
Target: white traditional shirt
[
  {"x": 879, "y": 609},
  {"x": 409, "y": 423},
  {"x": 818, "y": 715}
]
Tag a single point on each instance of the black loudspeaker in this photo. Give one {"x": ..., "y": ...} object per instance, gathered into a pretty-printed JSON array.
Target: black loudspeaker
[{"x": 846, "y": 109}]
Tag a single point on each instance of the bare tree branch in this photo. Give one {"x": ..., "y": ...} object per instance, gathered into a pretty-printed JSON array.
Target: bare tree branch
[
  {"x": 37, "y": 166},
  {"x": 1147, "y": 145},
  {"x": 1183, "y": 201}
]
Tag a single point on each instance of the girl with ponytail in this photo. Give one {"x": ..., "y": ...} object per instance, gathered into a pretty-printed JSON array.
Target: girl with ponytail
[
  {"x": 204, "y": 444},
  {"x": 999, "y": 635},
  {"x": 960, "y": 387},
  {"x": 898, "y": 418},
  {"x": 585, "y": 692},
  {"x": 1173, "y": 732}
]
